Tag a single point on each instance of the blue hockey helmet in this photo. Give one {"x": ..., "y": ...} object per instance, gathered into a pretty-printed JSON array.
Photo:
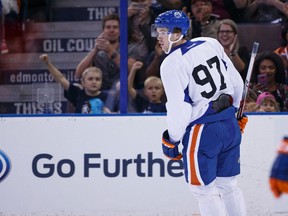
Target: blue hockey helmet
[{"x": 173, "y": 19}]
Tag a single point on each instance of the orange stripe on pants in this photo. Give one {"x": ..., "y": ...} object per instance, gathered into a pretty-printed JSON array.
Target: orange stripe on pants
[{"x": 194, "y": 179}]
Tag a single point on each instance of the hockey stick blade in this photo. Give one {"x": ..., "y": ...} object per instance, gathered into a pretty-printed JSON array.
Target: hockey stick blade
[{"x": 247, "y": 80}]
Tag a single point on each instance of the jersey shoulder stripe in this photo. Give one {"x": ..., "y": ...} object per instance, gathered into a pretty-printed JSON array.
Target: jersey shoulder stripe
[{"x": 190, "y": 45}]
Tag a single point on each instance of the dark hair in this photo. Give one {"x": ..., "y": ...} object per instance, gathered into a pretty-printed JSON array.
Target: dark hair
[
  {"x": 276, "y": 59},
  {"x": 112, "y": 16},
  {"x": 284, "y": 32}
]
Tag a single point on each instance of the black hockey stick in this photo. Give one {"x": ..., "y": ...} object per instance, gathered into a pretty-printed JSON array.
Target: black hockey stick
[{"x": 247, "y": 80}]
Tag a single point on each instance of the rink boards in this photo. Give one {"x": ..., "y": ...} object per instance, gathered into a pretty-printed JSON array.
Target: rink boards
[{"x": 113, "y": 165}]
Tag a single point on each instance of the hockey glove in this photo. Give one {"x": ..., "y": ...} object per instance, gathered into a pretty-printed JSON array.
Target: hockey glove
[
  {"x": 242, "y": 123},
  {"x": 279, "y": 172},
  {"x": 170, "y": 149}
]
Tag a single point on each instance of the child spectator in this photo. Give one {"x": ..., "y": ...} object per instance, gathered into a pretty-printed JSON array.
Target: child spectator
[
  {"x": 153, "y": 90},
  {"x": 86, "y": 99},
  {"x": 270, "y": 66},
  {"x": 105, "y": 54},
  {"x": 266, "y": 102}
]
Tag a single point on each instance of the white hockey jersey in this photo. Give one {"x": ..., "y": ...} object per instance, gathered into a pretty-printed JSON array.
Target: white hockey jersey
[{"x": 193, "y": 74}]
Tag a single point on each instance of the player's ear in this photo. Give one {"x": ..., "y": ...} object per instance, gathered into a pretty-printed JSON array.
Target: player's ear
[
  {"x": 178, "y": 35},
  {"x": 175, "y": 36}
]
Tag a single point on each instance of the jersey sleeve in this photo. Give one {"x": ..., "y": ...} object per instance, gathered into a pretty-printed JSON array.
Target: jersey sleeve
[{"x": 179, "y": 109}]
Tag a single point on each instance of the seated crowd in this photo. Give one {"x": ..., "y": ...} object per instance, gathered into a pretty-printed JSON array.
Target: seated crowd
[{"x": 268, "y": 91}]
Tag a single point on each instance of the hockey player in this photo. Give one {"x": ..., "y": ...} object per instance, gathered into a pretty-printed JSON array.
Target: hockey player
[
  {"x": 279, "y": 172},
  {"x": 203, "y": 91}
]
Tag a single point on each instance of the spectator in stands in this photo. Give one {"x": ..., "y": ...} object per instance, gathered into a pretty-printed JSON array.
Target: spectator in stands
[
  {"x": 224, "y": 9},
  {"x": 251, "y": 97},
  {"x": 6, "y": 7},
  {"x": 160, "y": 6},
  {"x": 155, "y": 60},
  {"x": 236, "y": 9},
  {"x": 113, "y": 100},
  {"x": 268, "y": 75},
  {"x": 154, "y": 63},
  {"x": 229, "y": 9},
  {"x": 203, "y": 22},
  {"x": 250, "y": 102},
  {"x": 227, "y": 36},
  {"x": 140, "y": 18},
  {"x": 89, "y": 99},
  {"x": 282, "y": 50},
  {"x": 4, "y": 47},
  {"x": 105, "y": 54},
  {"x": 266, "y": 102},
  {"x": 153, "y": 90},
  {"x": 250, "y": 107},
  {"x": 267, "y": 11}
]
